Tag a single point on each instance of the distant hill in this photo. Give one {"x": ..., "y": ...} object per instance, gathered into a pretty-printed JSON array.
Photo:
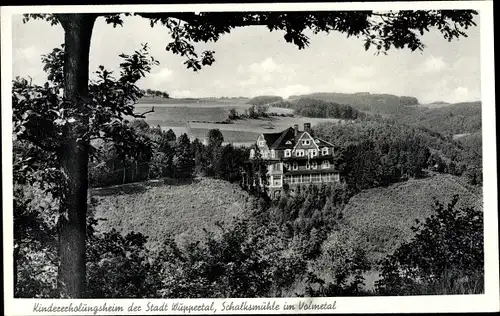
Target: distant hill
[
  {"x": 459, "y": 118},
  {"x": 158, "y": 210},
  {"x": 382, "y": 217},
  {"x": 308, "y": 107},
  {"x": 365, "y": 101},
  {"x": 264, "y": 99},
  {"x": 436, "y": 104}
]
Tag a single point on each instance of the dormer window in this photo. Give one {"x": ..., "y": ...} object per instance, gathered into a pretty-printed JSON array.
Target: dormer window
[
  {"x": 317, "y": 141},
  {"x": 288, "y": 142},
  {"x": 288, "y": 152},
  {"x": 324, "y": 151}
]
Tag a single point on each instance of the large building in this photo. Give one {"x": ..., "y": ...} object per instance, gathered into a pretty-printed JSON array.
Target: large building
[{"x": 295, "y": 157}]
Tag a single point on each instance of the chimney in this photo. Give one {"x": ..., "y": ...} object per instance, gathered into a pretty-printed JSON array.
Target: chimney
[
  {"x": 307, "y": 127},
  {"x": 296, "y": 129}
]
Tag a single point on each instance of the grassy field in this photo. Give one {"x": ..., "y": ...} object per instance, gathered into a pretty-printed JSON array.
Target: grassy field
[
  {"x": 194, "y": 101},
  {"x": 197, "y": 118},
  {"x": 383, "y": 216},
  {"x": 157, "y": 209}
]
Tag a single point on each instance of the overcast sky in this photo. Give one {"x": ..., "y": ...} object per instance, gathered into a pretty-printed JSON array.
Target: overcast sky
[{"x": 253, "y": 61}]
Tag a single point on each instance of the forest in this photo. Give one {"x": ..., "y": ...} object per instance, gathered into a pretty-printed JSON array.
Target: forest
[
  {"x": 317, "y": 108},
  {"x": 156, "y": 93},
  {"x": 365, "y": 101}
]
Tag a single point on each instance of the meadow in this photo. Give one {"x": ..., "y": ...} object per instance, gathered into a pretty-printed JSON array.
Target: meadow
[
  {"x": 158, "y": 209},
  {"x": 382, "y": 217},
  {"x": 196, "y": 118}
]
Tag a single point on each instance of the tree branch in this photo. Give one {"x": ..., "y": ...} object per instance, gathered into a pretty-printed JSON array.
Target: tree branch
[{"x": 142, "y": 115}]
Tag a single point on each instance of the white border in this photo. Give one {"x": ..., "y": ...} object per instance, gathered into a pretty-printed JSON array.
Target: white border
[{"x": 415, "y": 304}]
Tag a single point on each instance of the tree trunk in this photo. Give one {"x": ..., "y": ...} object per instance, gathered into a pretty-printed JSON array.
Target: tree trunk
[{"x": 74, "y": 156}]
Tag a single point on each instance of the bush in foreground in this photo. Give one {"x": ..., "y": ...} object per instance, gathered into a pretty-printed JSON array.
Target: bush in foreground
[{"x": 446, "y": 256}]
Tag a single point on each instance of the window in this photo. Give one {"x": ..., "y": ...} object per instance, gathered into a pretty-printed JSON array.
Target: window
[
  {"x": 299, "y": 152},
  {"x": 306, "y": 142},
  {"x": 288, "y": 179},
  {"x": 296, "y": 179},
  {"x": 325, "y": 164},
  {"x": 286, "y": 165},
  {"x": 277, "y": 166},
  {"x": 252, "y": 153},
  {"x": 265, "y": 153},
  {"x": 315, "y": 178},
  {"x": 308, "y": 165},
  {"x": 277, "y": 180},
  {"x": 273, "y": 153},
  {"x": 261, "y": 143},
  {"x": 324, "y": 151},
  {"x": 326, "y": 177},
  {"x": 314, "y": 165},
  {"x": 317, "y": 141},
  {"x": 295, "y": 166},
  {"x": 336, "y": 177},
  {"x": 288, "y": 152},
  {"x": 313, "y": 152},
  {"x": 306, "y": 178}
]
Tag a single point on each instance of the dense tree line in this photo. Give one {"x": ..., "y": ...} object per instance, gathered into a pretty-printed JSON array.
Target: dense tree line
[
  {"x": 365, "y": 101},
  {"x": 264, "y": 99},
  {"x": 317, "y": 108},
  {"x": 156, "y": 93},
  {"x": 377, "y": 152},
  {"x": 170, "y": 156},
  {"x": 253, "y": 112}
]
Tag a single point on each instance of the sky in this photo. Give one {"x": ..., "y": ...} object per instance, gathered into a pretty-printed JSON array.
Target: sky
[{"x": 253, "y": 61}]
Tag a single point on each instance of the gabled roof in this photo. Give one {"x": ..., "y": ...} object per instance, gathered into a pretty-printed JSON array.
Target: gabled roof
[
  {"x": 321, "y": 143},
  {"x": 286, "y": 135},
  {"x": 270, "y": 138},
  {"x": 279, "y": 140}
]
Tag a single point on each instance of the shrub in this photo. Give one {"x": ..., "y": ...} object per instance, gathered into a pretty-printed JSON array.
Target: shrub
[
  {"x": 243, "y": 261},
  {"x": 445, "y": 255}
]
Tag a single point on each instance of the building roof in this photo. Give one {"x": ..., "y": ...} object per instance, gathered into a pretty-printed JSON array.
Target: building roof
[{"x": 279, "y": 140}]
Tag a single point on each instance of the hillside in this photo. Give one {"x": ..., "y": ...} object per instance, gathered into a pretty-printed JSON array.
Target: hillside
[
  {"x": 365, "y": 101},
  {"x": 436, "y": 104},
  {"x": 382, "y": 217},
  {"x": 317, "y": 108},
  {"x": 264, "y": 99},
  {"x": 158, "y": 209},
  {"x": 459, "y": 118}
]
